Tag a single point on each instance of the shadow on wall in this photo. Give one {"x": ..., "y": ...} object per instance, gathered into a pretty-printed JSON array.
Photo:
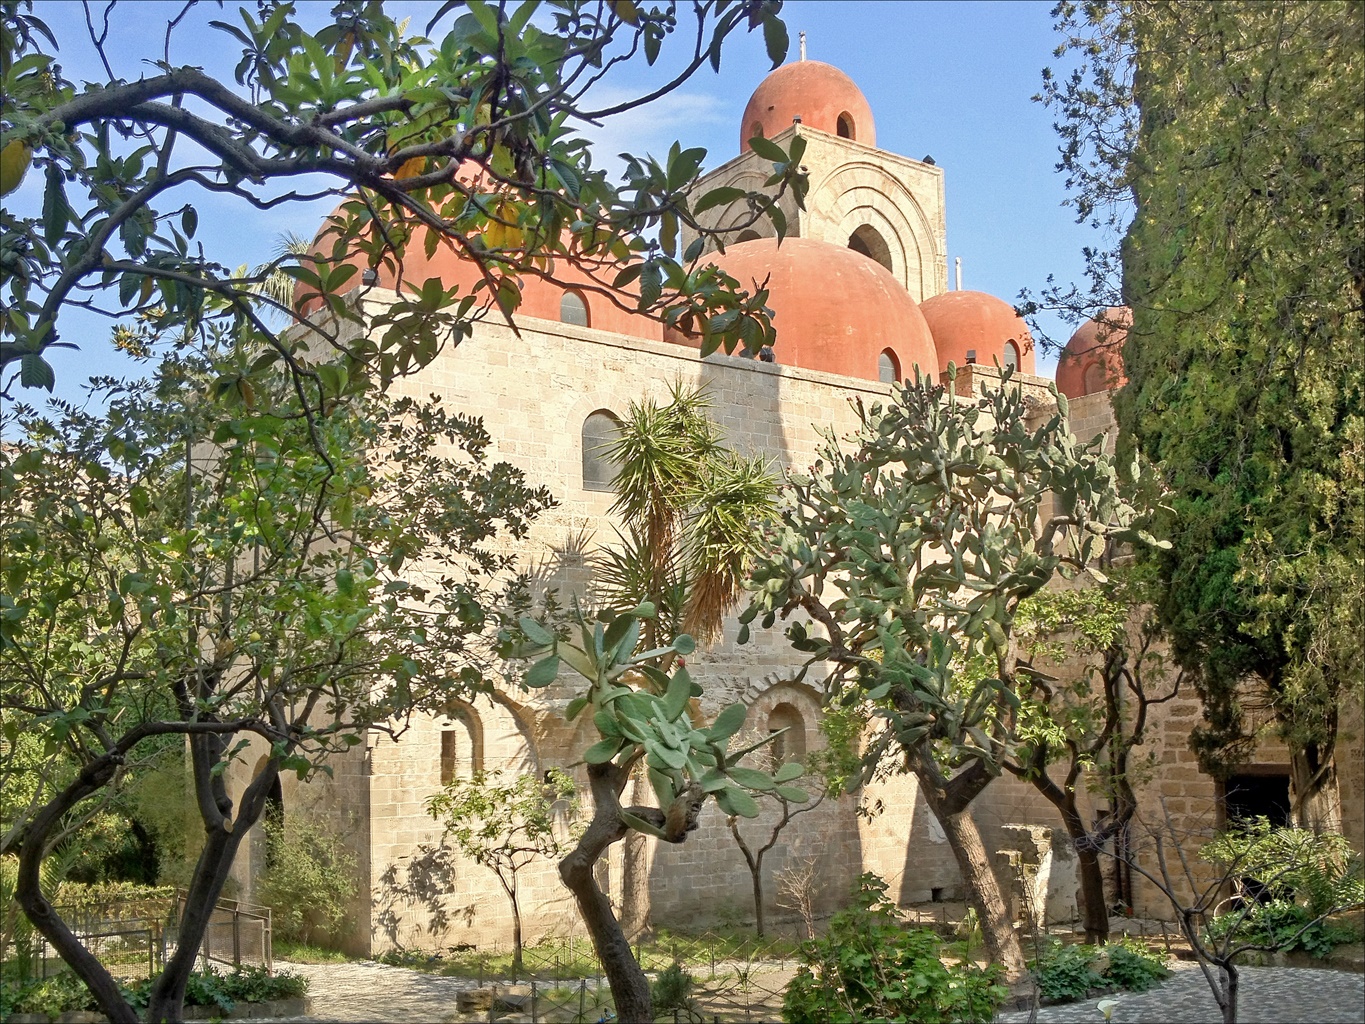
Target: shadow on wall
[{"x": 413, "y": 898}]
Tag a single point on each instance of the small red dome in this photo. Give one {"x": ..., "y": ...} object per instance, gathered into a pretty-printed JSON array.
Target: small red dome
[
  {"x": 974, "y": 322},
  {"x": 1092, "y": 360},
  {"x": 835, "y": 310},
  {"x": 820, "y": 94}
]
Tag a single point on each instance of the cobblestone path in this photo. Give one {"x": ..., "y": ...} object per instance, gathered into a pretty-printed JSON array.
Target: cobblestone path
[
  {"x": 1268, "y": 995},
  {"x": 362, "y": 992}
]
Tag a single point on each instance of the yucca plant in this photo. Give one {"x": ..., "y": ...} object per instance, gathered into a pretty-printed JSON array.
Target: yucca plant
[{"x": 693, "y": 511}]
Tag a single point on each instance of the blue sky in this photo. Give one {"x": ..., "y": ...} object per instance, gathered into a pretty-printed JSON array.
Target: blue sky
[{"x": 951, "y": 80}]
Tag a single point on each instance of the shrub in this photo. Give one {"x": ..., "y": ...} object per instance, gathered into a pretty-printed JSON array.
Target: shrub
[
  {"x": 671, "y": 992},
  {"x": 1284, "y": 926},
  {"x": 64, "y": 992},
  {"x": 1133, "y": 967},
  {"x": 310, "y": 880},
  {"x": 1067, "y": 973},
  {"x": 870, "y": 966}
]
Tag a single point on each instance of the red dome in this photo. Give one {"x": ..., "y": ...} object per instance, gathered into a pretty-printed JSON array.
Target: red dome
[
  {"x": 820, "y": 94},
  {"x": 964, "y": 322},
  {"x": 834, "y": 309},
  {"x": 1093, "y": 359}
]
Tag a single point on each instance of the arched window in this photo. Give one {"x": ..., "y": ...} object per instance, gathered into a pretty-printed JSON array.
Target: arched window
[
  {"x": 844, "y": 126},
  {"x": 791, "y": 744},
  {"x": 600, "y": 430},
  {"x": 573, "y": 310},
  {"x": 1010, "y": 357},
  {"x": 756, "y": 130},
  {"x": 869, "y": 241},
  {"x": 1096, "y": 379},
  {"x": 461, "y": 746},
  {"x": 888, "y": 367}
]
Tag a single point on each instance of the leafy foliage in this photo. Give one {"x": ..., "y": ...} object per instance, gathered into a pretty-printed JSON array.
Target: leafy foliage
[
  {"x": 173, "y": 572},
  {"x": 63, "y": 993},
  {"x": 1245, "y": 269},
  {"x": 1066, "y": 973},
  {"x": 870, "y": 966},
  {"x": 469, "y": 141},
  {"x": 505, "y": 825},
  {"x": 310, "y": 878},
  {"x": 909, "y": 548}
]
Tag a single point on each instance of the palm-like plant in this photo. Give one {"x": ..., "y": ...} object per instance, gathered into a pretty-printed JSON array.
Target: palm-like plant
[{"x": 693, "y": 510}]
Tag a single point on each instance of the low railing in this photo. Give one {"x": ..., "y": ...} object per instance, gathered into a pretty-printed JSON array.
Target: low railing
[{"x": 133, "y": 941}]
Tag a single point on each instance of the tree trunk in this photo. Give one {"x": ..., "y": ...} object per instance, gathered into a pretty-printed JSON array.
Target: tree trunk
[
  {"x": 635, "y": 873},
  {"x": 518, "y": 966},
  {"x": 1094, "y": 908},
  {"x": 1314, "y": 800},
  {"x": 985, "y": 897},
  {"x": 1230, "y": 987},
  {"x": 629, "y": 986}
]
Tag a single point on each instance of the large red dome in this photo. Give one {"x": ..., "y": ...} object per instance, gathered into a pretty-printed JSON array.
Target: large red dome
[
  {"x": 834, "y": 309},
  {"x": 820, "y": 94},
  {"x": 1092, "y": 360},
  {"x": 973, "y": 323}
]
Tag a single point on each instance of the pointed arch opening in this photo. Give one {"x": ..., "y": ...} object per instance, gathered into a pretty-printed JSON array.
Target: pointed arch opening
[
  {"x": 844, "y": 128},
  {"x": 869, "y": 241}
]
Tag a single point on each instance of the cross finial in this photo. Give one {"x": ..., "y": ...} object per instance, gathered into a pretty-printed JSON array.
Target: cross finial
[{"x": 803, "y": 46}]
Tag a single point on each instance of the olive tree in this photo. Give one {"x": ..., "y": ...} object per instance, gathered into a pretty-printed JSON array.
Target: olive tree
[{"x": 901, "y": 560}]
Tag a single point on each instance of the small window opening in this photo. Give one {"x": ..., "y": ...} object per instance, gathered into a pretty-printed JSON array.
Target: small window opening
[
  {"x": 573, "y": 309},
  {"x": 844, "y": 127},
  {"x": 788, "y": 745},
  {"x": 869, "y": 241},
  {"x": 1011, "y": 356},
  {"x": 600, "y": 431},
  {"x": 461, "y": 747},
  {"x": 756, "y": 129},
  {"x": 888, "y": 368},
  {"x": 971, "y": 355}
]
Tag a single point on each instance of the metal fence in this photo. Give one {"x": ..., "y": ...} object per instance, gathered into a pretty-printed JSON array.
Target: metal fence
[{"x": 133, "y": 938}]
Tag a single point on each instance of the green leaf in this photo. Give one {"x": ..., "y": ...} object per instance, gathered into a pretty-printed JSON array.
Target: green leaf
[
  {"x": 535, "y": 632},
  {"x": 737, "y": 802},
  {"x": 717, "y": 197},
  {"x": 790, "y": 770},
  {"x": 543, "y": 672},
  {"x": 727, "y": 723},
  {"x": 575, "y": 708},
  {"x": 640, "y": 825},
  {"x": 684, "y": 644},
  {"x": 750, "y": 778},
  {"x": 678, "y": 693},
  {"x": 768, "y": 149},
  {"x": 34, "y": 372},
  {"x": 56, "y": 210},
  {"x": 775, "y": 38},
  {"x": 603, "y": 751},
  {"x": 793, "y": 795}
]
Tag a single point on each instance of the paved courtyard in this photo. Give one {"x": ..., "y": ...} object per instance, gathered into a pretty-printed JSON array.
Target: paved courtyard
[{"x": 368, "y": 991}]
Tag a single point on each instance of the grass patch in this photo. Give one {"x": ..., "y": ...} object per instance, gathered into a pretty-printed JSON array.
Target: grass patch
[{"x": 299, "y": 953}]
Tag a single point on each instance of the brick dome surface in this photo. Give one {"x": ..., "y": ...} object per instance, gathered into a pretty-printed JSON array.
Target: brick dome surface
[
  {"x": 1092, "y": 360},
  {"x": 816, "y": 92},
  {"x": 834, "y": 309},
  {"x": 968, "y": 321}
]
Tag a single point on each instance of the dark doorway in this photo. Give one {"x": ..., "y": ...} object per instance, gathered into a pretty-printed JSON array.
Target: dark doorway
[{"x": 1257, "y": 796}]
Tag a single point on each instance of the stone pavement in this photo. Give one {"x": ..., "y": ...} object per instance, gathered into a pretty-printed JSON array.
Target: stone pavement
[
  {"x": 366, "y": 991},
  {"x": 1268, "y": 995}
]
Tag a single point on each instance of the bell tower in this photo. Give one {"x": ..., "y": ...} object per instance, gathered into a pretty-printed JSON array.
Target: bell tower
[{"x": 884, "y": 206}]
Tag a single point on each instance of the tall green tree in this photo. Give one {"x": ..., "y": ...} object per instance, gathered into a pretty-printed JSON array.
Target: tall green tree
[
  {"x": 1245, "y": 268},
  {"x": 902, "y": 559},
  {"x": 173, "y": 574},
  {"x": 471, "y": 139}
]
